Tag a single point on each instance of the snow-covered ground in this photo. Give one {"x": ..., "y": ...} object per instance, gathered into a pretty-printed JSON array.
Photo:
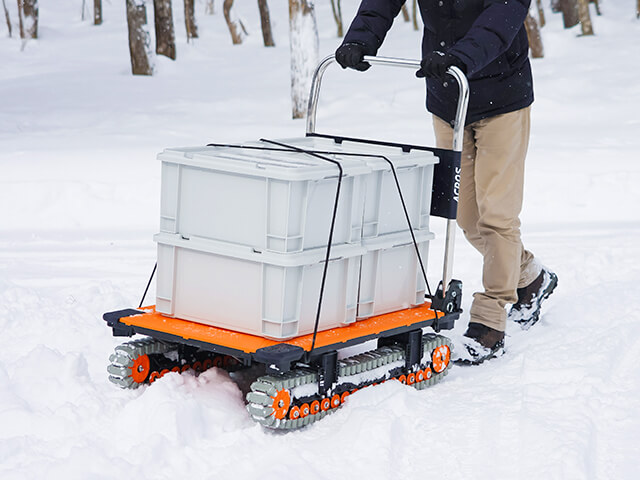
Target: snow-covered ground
[{"x": 79, "y": 201}]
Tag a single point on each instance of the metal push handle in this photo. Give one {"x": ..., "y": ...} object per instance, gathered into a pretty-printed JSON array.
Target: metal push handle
[{"x": 458, "y": 129}]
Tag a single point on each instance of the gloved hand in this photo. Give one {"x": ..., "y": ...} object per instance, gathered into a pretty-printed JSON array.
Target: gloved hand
[
  {"x": 435, "y": 65},
  {"x": 350, "y": 55}
]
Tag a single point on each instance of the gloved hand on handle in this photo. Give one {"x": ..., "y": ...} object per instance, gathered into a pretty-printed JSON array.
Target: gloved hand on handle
[
  {"x": 435, "y": 65},
  {"x": 351, "y": 55}
]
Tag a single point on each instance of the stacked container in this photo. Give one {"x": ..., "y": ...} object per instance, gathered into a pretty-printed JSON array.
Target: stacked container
[{"x": 243, "y": 234}]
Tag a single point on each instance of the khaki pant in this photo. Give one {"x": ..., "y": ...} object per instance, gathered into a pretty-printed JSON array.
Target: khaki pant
[{"x": 491, "y": 187}]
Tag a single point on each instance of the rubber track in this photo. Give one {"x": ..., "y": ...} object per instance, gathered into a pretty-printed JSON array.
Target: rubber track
[
  {"x": 261, "y": 397},
  {"x": 123, "y": 357}
]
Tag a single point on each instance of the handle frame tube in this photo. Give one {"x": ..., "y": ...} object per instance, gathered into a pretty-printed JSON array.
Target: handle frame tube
[{"x": 458, "y": 129}]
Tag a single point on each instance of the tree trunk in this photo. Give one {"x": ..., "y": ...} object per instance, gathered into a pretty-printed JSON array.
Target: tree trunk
[
  {"x": 139, "y": 39},
  {"x": 190, "y": 19},
  {"x": 415, "y": 15},
  {"x": 236, "y": 28},
  {"x": 7, "y": 17},
  {"x": 597, "y": 4},
  {"x": 303, "y": 36},
  {"x": 165, "y": 36},
  {"x": 405, "y": 13},
  {"x": 556, "y": 6},
  {"x": 97, "y": 12},
  {"x": 638, "y": 9},
  {"x": 570, "y": 13},
  {"x": 541, "y": 18},
  {"x": 209, "y": 9},
  {"x": 535, "y": 39},
  {"x": 265, "y": 23},
  {"x": 585, "y": 17},
  {"x": 28, "y": 16},
  {"x": 337, "y": 15}
]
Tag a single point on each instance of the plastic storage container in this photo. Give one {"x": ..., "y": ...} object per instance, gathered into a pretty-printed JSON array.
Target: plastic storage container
[
  {"x": 390, "y": 275},
  {"x": 268, "y": 294},
  {"x": 282, "y": 201},
  {"x": 276, "y": 201},
  {"x": 382, "y": 210}
]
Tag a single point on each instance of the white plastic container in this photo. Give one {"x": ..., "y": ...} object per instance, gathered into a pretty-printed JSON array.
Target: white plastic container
[
  {"x": 383, "y": 213},
  {"x": 391, "y": 278},
  {"x": 276, "y": 201},
  {"x": 268, "y": 294}
]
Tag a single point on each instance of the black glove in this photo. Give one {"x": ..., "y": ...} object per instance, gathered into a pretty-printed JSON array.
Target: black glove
[
  {"x": 435, "y": 65},
  {"x": 350, "y": 55}
]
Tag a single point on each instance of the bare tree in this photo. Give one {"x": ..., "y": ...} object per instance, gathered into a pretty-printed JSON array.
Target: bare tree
[
  {"x": 414, "y": 15},
  {"x": 405, "y": 13},
  {"x": 190, "y": 19},
  {"x": 569, "y": 13},
  {"x": 7, "y": 17},
  {"x": 585, "y": 17},
  {"x": 236, "y": 28},
  {"x": 97, "y": 12},
  {"x": 541, "y": 18},
  {"x": 337, "y": 16},
  {"x": 535, "y": 39},
  {"x": 139, "y": 38},
  {"x": 165, "y": 36},
  {"x": 28, "y": 17},
  {"x": 303, "y": 37},
  {"x": 265, "y": 23}
]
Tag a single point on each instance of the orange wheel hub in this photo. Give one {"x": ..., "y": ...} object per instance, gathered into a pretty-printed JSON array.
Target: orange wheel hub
[
  {"x": 281, "y": 404},
  {"x": 154, "y": 376},
  {"x": 427, "y": 373},
  {"x": 294, "y": 414},
  {"x": 411, "y": 379},
  {"x": 402, "y": 379},
  {"x": 304, "y": 410},
  {"x": 335, "y": 401},
  {"x": 315, "y": 407},
  {"x": 140, "y": 368},
  {"x": 344, "y": 397},
  {"x": 197, "y": 366},
  {"x": 325, "y": 404},
  {"x": 440, "y": 358},
  {"x": 207, "y": 364}
]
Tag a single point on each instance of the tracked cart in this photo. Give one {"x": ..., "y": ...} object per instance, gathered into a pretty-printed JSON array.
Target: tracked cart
[{"x": 316, "y": 298}]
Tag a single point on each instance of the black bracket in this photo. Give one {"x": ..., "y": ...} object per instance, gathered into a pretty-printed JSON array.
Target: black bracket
[
  {"x": 120, "y": 329},
  {"x": 328, "y": 372},
  {"x": 412, "y": 343},
  {"x": 279, "y": 357}
]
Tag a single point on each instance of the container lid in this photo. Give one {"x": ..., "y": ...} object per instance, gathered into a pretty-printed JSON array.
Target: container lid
[
  {"x": 373, "y": 155},
  {"x": 264, "y": 160}
]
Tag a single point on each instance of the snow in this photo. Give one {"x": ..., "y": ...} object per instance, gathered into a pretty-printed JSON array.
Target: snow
[{"x": 79, "y": 196}]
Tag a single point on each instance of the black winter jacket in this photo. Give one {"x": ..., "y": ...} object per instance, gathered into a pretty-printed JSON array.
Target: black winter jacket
[{"x": 487, "y": 35}]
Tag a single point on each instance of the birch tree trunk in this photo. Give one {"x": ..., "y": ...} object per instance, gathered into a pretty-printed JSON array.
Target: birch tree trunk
[
  {"x": 337, "y": 16},
  {"x": 541, "y": 18},
  {"x": 165, "y": 35},
  {"x": 570, "y": 13},
  {"x": 139, "y": 39},
  {"x": 236, "y": 28},
  {"x": 535, "y": 39},
  {"x": 265, "y": 23},
  {"x": 8, "y": 18},
  {"x": 303, "y": 38},
  {"x": 585, "y": 17},
  {"x": 405, "y": 13},
  {"x": 28, "y": 16},
  {"x": 97, "y": 12},
  {"x": 190, "y": 19}
]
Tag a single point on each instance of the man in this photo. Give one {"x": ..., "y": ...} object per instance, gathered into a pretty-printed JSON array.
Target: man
[{"x": 487, "y": 40}]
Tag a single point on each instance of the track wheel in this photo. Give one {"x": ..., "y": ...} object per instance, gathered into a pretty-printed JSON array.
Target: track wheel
[
  {"x": 281, "y": 404},
  {"x": 440, "y": 358},
  {"x": 140, "y": 368}
]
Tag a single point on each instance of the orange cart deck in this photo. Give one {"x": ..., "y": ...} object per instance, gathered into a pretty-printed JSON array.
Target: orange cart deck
[{"x": 147, "y": 321}]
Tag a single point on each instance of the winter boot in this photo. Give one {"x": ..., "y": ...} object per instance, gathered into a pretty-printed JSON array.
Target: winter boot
[
  {"x": 478, "y": 344},
  {"x": 526, "y": 311}
]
